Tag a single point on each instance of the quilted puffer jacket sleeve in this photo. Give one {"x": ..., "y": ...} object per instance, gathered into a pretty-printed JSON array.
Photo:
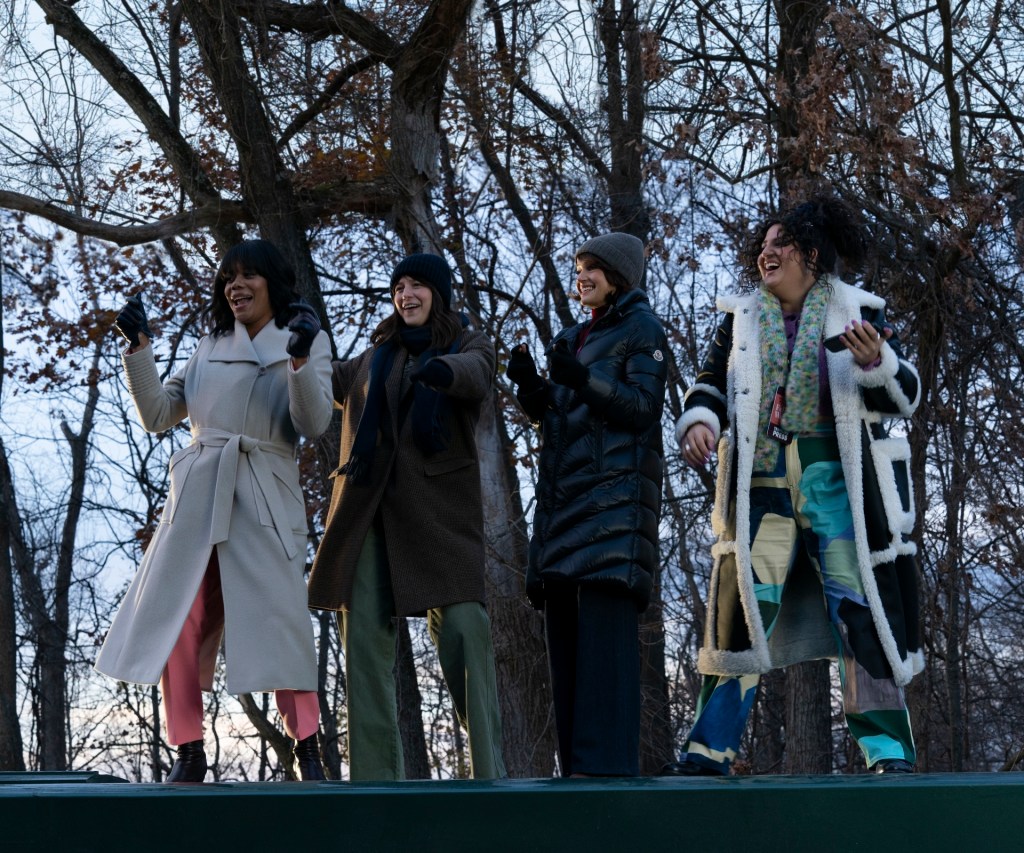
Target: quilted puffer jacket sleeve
[{"x": 635, "y": 400}]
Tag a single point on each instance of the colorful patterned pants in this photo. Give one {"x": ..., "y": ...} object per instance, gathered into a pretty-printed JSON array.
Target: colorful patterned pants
[{"x": 804, "y": 504}]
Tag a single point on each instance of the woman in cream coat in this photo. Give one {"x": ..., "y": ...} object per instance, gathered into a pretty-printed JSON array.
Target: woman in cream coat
[{"x": 228, "y": 555}]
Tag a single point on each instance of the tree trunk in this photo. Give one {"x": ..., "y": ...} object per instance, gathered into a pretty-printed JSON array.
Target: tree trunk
[
  {"x": 410, "y": 708},
  {"x": 263, "y": 176},
  {"x": 271, "y": 734},
  {"x": 808, "y": 723},
  {"x": 618, "y": 29},
  {"x": 768, "y": 733},
  {"x": 52, "y": 634},
  {"x": 11, "y": 757},
  {"x": 808, "y": 707},
  {"x": 524, "y": 690}
]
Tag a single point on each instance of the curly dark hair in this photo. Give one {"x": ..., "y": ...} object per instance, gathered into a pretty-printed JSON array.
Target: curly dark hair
[
  {"x": 615, "y": 278},
  {"x": 824, "y": 229},
  {"x": 264, "y": 258}
]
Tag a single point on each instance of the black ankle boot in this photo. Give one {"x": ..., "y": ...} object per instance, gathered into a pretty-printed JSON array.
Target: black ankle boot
[
  {"x": 307, "y": 756},
  {"x": 190, "y": 765}
]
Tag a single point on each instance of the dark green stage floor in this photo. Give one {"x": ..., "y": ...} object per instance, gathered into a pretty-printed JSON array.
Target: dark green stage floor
[{"x": 967, "y": 813}]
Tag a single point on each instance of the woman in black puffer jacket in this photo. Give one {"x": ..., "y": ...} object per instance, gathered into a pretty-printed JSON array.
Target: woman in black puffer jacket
[{"x": 595, "y": 531}]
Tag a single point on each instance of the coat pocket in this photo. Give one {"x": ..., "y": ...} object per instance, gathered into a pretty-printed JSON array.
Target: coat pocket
[
  {"x": 446, "y": 466},
  {"x": 721, "y": 511},
  {"x": 891, "y": 457},
  {"x": 178, "y": 468}
]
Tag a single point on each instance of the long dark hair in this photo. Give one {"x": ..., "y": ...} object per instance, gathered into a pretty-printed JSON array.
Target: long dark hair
[
  {"x": 615, "y": 278},
  {"x": 822, "y": 224},
  {"x": 261, "y": 257},
  {"x": 445, "y": 324}
]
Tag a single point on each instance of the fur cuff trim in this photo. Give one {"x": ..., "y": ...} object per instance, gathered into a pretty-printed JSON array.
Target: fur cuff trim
[
  {"x": 697, "y": 415},
  {"x": 717, "y": 662},
  {"x": 878, "y": 377}
]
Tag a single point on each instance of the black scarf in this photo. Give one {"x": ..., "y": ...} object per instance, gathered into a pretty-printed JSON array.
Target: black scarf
[{"x": 431, "y": 409}]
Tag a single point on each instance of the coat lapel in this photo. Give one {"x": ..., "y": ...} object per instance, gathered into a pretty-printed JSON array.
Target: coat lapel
[{"x": 268, "y": 347}]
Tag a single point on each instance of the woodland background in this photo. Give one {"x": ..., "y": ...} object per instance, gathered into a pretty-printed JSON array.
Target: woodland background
[{"x": 138, "y": 140}]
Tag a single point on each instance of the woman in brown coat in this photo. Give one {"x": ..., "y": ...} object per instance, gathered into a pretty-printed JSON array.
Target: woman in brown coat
[{"x": 404, "y": 532}]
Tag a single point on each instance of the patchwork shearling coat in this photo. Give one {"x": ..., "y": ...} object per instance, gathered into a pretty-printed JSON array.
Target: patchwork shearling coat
[{"x": 726, "y": 398}]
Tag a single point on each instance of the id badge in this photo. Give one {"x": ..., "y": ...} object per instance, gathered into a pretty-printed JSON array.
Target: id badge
[{"x": 774, "y": 429}]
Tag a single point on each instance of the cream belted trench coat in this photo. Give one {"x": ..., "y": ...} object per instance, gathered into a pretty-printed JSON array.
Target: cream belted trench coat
[{"x": 234, "y": 488}]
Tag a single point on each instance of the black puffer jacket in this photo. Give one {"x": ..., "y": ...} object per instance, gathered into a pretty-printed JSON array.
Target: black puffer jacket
[{"x": 599, "y": 492}]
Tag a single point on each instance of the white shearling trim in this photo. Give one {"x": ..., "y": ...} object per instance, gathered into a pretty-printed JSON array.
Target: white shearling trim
[
  {"x": 727, "y": 303},
  {"x": 845, "y": 381},
  {"x": 697, "y": 415},
  {"x": 719, "y": 521},
  {"x": 916, "y": 660},
  {"x": 885, "y": 376},
  {"x": 886, "y": 555},
  {"x": 885, "y": 454},
  {"x": 880, "y": 376},
  {"x": 717, "y": 662},
  {"x": 896, "y": 549}
]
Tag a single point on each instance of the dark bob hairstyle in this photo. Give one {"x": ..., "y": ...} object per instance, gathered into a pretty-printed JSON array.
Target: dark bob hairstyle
[{"x": 261, "y": 257}]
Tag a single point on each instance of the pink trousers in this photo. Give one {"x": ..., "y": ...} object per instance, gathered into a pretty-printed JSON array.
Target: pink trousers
[{"x": 180, "y": 682}]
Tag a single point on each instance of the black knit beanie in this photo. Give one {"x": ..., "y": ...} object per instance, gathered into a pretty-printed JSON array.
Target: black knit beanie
[
  {"x": 624, "y": 253},
  {"x": 430, "y": 269}
]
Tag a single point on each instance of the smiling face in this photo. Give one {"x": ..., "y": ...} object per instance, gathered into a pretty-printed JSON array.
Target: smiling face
[
  {"x": 592, "y": 285},
  {"x": 783, "y": 270},
  {"x": 413, "y": 300},
  {"x": 248, "y": 297}
]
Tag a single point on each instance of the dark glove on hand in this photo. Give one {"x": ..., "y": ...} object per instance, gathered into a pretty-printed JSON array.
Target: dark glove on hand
[
  {"x": 522, "y": 370},
  {"x": 435, "y": 373},
  {"x": 567, "y": 370},
  {"x": 132, "y": 319},
  {"x": 304, "y": 326}
]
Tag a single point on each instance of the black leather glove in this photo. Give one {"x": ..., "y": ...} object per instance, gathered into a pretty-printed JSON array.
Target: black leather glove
[
  {"x": 435, "y": 373},
  {"x": 522, "y": 370},
  {"x": 132, "y": 319},
  {"x": 304, "y": 326},
  {"x": 566, "y": 368}
]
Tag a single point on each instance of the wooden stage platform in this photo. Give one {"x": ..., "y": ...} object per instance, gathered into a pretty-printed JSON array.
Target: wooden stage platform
[{"x": 933, "y": 813}]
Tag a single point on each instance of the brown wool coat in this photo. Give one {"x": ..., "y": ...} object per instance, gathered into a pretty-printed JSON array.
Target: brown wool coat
[{"x": 430, "y": 505}]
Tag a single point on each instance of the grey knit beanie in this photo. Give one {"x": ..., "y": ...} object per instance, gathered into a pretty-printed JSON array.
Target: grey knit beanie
[
  {"x": 430, "y": 269},
  {"x": 624, "y": 253}
]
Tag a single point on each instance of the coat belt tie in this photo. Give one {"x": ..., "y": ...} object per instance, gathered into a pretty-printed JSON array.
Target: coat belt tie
[{"x": 234, "y": 447}]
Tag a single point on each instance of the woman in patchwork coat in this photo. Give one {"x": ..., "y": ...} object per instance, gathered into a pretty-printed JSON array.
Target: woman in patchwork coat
[{"x": 813, "y": 509}]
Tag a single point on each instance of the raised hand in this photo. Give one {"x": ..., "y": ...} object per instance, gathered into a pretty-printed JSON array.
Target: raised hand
[
  {"x": 522, "y": 369},
  {"x": 131, "y": 320},
  {"x": 304, "y": 326}
]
